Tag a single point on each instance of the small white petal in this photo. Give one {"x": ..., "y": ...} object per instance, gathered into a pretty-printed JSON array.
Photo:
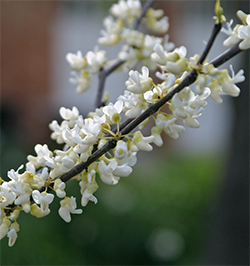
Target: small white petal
[{"x": 65, "y": 214}]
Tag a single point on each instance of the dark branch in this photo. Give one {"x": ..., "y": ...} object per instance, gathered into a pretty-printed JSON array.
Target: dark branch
[
  {"x": 81, "y": 166},
  {"x": 129, "y": 127},
  {"x": 216, "y": 30},
  {"x": 144, "y": 10},
  {"x": 156, "y": 106},
  {"x": 227, "y": 55}
]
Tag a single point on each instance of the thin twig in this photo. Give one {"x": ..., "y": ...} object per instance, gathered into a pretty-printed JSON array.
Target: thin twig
[
  {"x": 216, "y": 30},
  {"x": 227, "y": 55},
  {"x": 143, "y": 13},
  {"x": 102, "y": 78}
]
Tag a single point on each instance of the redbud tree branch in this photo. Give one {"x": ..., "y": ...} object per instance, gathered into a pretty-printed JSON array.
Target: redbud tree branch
[
  {"x": 105, "y": 72},
  {"x": 130, "y": 124},
  {"x": 226, "y": 56}
]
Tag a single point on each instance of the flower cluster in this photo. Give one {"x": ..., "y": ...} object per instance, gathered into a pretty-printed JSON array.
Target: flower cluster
[
  {"x": 35, "y": 188},
  {"x": 240, "y": 33},
  {"x": 119, "y": 28}
]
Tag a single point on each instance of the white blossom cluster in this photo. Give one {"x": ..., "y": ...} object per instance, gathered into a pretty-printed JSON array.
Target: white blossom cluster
[
  {"x": 119, "y": 28},
  {"x": 33, "y": 190},
  {"x": 240, "y": 33}
]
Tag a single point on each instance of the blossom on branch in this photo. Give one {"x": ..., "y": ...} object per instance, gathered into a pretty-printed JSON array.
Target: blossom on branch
[
  {"x": 68, "y": 206},
  {"x": 101, "y": 147},
  {"x": 76, "y": 61}
]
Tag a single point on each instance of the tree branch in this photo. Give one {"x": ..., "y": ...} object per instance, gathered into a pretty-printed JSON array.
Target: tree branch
[
  {"x": 226, "y": 56},
  {"x": 103, "y": 74},
  {"x": 216, "y": 30},
  {"x": 130, "y": 124},
  {"x": 144, "y": 10},
  {"x": 81, "y": 166}
]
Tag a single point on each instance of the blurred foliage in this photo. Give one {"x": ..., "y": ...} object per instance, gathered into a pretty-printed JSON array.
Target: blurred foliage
[{"x": 156, "y": 216}]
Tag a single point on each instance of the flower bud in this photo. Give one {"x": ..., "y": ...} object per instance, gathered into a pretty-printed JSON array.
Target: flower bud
[{"x": 242, "y": 16}]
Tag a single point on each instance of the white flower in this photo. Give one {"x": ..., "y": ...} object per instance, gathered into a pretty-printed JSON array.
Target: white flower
[
  {"x": 196, "y": 108},
  {"x": 6, "y": 196},
  {"x": 106, "y": 172},
  {"x": 71, "y": 115},
  {"x": 228, "y": 84},
  {"x": 160, "y": 55},
  {"x": 14, "y": 175},
  {"x": 244, "y": 33},
  {"x": 233, "y": 34},
  {"x": 122, "y": 170},
  {"x": 12, "y": 235},
  {"x": 42, "y": 152},
  {"x": 62, "y": 162},
  {"x": 44, "y": 199},
  {"x": 125, "y": 9},
  {"x": 51, "y": 162},
  {"x": 158, "y": 26},
  {"x": 156, "y": 132},
  {"x": 87, "y": 189},
  {"x": 139, "y": 83},
  {"x": 121, "y": 150},
  {"x": 180, "y": 101},
  {"x": 67, "y": 164},
  {"x": 37, "y": 211},
  {"x": 133, "y": 104},
  {"x": 14, "y": 215},
  {"x": 181, "y": 51},
  {"x": 168, "y": 125},
  {"x": 186, "y": 105},
  {"x": 4, "y": 227},
  {"x": 174, "y": 62},
  {"x": 131, "y": 55},
  {"x": 96, "y": 59},
  {"x": 68, "y": 206},
  {"x": 216, "y": 91},
  {"x": 57, "y": 130},
  {"x": 76, "y": 61},
  {"x": 112, "y": 111},
  {"x": 149, "y": 44},
  {"x": 133, "y": 37},
  {"x": 153, "y": 95},
  {"x": 177, "y": 67},
  {"x": 91, "y": 128},
  {"x": 142, "y": 143},
  {"x": 41, "y": 177},
  {"x": 111, "y": 33},
  {"x": 82, "y": 80},
  {"x": 239, "y": 77},
  {"x": 88, "y": 196},
  {"x": 168, "y": 46},
  {"x": 22, "y": 191},
  {"x": 59, "y": 187},
  {"x": 201, "y": 83}
]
